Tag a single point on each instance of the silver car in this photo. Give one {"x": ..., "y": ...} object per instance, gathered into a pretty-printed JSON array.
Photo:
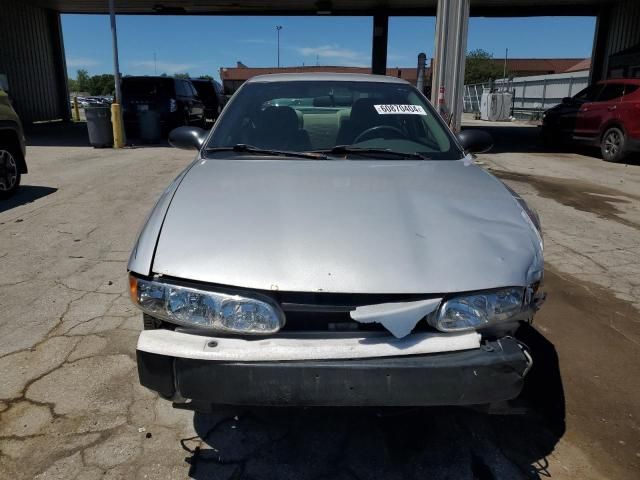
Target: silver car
[{"x": 341, "y": 248}]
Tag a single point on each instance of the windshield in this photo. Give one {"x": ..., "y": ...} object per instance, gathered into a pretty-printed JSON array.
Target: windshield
[
  {"x": 320, "y": 115},
  {"x": 147, "y": 87},
  {"x": 205, "y": 89}
]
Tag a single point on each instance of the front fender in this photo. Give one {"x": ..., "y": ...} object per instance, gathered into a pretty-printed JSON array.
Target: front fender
[{"x": 141, "y": 257}]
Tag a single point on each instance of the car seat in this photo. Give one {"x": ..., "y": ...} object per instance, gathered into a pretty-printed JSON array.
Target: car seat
[
  {"x": 363, "y": 116},
  {"x": 279, "y": 128}
]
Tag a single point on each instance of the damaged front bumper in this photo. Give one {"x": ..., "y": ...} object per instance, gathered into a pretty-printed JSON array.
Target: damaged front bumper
[{"x": 421, "y": 371}]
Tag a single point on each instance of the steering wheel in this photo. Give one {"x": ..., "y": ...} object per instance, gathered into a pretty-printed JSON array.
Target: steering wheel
[{"x": 367, "y": 133}]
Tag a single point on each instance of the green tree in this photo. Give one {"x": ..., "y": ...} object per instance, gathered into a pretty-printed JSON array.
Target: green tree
[
  {"x": 101, "y": 84},
  {"x": 205, "y": 77},
  {"x": 72, "y": 84},
  {"x": 182, "y": 75},
  {"x": 82, "y": 80},
  {"x": 480, "y": 67}
]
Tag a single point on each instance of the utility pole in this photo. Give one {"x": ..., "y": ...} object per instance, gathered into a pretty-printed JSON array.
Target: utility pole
[
  {"x": 155, "y": 63},
  {"x": 116, "y": 113},
  {"x": 504, "y": 70},
  {"x": 278, "y": 28}
]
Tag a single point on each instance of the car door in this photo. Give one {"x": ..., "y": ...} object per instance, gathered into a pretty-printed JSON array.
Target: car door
[
  {"x": 567, "y": 111},
  {"x": 222, "y": 100},
  {"x": 592, "y": 115},
  {"x": 629, "y": 110},
  {"x": 183, "y": 98}
]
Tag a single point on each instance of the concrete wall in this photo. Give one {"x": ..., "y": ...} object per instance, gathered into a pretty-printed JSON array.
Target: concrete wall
[{"x": 32, "y": 58}]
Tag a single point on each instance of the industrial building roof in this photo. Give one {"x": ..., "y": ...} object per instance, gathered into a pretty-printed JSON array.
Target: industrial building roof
[{"x": 515, "y": 66}]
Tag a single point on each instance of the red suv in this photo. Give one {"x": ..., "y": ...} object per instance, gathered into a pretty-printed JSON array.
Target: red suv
[{"x": 606, "y": 114}]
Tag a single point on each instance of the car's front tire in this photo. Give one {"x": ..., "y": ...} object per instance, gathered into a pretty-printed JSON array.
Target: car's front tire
[
  {"x": 9, "y": 170},
  {"x": 613, "y": 145}
]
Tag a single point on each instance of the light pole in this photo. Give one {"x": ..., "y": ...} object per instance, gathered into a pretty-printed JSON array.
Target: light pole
[{"x": 278, "y": 28}]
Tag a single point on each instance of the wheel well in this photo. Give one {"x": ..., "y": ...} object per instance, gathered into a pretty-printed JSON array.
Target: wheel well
[
  {"x": 10, "y": 139},
  {"x": 612, "y": 124}
]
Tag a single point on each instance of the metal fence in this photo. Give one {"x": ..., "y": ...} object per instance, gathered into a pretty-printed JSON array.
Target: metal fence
[{"x": 531, "y": 95}]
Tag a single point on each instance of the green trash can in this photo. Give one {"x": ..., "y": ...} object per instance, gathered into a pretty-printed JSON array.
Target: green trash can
[{"x": 99, "y": 126}]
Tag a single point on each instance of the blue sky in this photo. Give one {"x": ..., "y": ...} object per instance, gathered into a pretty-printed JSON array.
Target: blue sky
[{"x": 201, "y": 45}]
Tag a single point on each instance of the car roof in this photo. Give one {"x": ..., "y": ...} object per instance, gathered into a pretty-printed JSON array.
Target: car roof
[
  {"x": 153, "y": 77},
  {"x": 340, "y": 77},
  {"x": 632, "y": 81}
]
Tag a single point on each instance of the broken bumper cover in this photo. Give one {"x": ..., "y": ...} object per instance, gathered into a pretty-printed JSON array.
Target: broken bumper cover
[{"x": 491, "y": 373}]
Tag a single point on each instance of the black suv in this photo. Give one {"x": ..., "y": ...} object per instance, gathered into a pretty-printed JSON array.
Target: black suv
[
  {"x": 12, "y": 151},
  {"x": 212, "y": 95},
  {"x": 175, "y": 99}
]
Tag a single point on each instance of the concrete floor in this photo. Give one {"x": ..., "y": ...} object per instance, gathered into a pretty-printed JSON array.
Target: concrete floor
[{"x": 70, "y": 403}]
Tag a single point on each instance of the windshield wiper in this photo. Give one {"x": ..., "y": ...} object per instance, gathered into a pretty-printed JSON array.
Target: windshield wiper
[
  {"x": 243, "y": 148},
  {"x": 348, "y": 149}
]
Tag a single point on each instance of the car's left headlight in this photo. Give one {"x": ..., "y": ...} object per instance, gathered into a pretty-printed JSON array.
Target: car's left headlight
[
  {"x": 220, "y": 311},
  {"x": 473, "y": 311}
]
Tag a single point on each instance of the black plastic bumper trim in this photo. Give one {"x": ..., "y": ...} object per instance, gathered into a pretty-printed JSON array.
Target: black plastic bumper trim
[{"x": 490, "y": 374}]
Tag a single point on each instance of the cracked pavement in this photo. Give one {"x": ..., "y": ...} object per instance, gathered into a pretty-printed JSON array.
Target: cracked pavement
[{"x": 71, "y": 406}]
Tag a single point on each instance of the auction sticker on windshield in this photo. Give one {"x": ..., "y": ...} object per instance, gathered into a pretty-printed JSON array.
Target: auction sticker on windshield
[{"x": 404, "y": 109}]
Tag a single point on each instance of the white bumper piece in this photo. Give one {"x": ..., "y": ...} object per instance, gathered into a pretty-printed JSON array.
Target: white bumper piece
[{"x": 301, "y": 346}]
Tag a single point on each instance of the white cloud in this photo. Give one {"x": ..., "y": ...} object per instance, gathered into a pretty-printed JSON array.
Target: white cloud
[
  {"x": 150, "y": 66},
  {"x": 398, "y": 57},
  {"x": 257, "y": 41},
  {"x": 76, "y": 62},
  {"x": 333, "y": 52}
]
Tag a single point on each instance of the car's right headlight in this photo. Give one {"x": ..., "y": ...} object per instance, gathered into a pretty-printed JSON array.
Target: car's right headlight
[
  {"x": 221, "y": 311},
  {"x": 473, "y": 311}
]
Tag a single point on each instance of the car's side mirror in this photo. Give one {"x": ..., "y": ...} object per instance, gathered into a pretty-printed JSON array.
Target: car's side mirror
[
  {"x": 187, "y": 138},
  {"x": 475, "y": 141},
  {"x": 567, "y": 100}
]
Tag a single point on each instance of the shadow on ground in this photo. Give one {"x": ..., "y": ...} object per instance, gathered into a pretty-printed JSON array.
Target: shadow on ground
[
  {"x": 57, "y": 134},
  {"x": 70, "y": 134},
  {"x": 369, "y": 443},
  {"x": 510, "y": 138},
  {"x": 25, "y": 194}
]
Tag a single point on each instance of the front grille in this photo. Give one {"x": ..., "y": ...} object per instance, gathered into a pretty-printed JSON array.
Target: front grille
[{"x": 330, "y": 312}]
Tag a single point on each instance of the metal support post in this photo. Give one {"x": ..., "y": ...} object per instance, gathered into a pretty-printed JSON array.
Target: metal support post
[
  {"x": 116, "y": 113},
  {"x": 379, "y": 44},
  {"x": 449, "y": 59}
]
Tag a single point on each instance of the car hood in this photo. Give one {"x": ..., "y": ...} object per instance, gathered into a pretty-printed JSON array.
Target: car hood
[{"x": 347, "y": 226}]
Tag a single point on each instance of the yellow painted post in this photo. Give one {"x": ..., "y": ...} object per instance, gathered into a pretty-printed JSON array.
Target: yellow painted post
[
  {"x": 76, "y": 110},
  {"x": 116, "y": 121}
]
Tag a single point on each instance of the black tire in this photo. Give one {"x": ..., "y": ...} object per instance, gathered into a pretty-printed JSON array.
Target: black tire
[
  {"x": 613, "y": 145},
  {"x": 151, "y": 323},
  {"x": 9, "y": 170}
]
